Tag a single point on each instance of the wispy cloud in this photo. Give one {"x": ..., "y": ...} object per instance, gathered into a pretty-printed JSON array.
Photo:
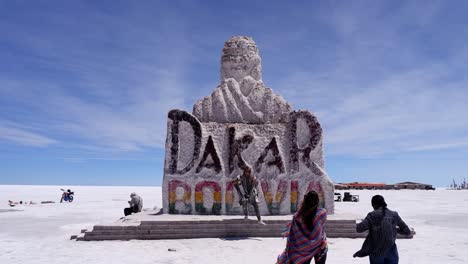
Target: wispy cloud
[
  {"x": 449, "y": 145},
  {"x": 386, "y": 92},
  {"x": 115, "y": 97},
  {"x": 376, "y": 74},
  {"x": 127, "y": 126},
  {"x": 24, "y": 137},
  {"x": 86, "y": 159}
]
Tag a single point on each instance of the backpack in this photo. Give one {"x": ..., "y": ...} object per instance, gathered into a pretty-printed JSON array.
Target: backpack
[
  {"x": 384, "y": 231},
  {"x": 379, "y": 239}
]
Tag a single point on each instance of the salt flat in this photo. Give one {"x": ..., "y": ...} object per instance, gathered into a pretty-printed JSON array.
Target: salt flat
[{"x": 40, "y": 233}]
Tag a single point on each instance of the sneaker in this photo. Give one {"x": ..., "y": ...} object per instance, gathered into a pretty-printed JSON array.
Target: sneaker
[{"x": 261, "y": 222}]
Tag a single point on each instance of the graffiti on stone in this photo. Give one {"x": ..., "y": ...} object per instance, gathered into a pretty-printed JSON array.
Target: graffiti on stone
[
  {"x": 215, "y": 199},
  {"x": 179, "y": 202},
  {"x": 294, "y": 196},
  {"x": 274, "y": 200},
  {"x": 274, "y": 161},
  {"x": 177, "y": 116},
  {"x": 210, "y": 154},
  {"x": 236, "y": 146},
  {"x": 315, "y": 131}
]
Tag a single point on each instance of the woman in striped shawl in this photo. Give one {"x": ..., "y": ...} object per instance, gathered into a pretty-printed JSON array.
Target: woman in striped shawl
[{"x": 306, "y": 234}]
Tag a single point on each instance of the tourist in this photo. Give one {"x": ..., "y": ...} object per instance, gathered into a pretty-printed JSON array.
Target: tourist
[
  {"x": 248, "y": 194},
  {"x": 136, "y": 203},
  {"x": 306, "y": 237},
  {"x": 383, "y": 225},
  {"x": 13, "y": 203}
]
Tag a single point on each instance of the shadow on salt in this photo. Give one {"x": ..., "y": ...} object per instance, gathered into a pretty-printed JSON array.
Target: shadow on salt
[
  {"x": 9, "y": 210},
  {"x": 451, "y": 221}
]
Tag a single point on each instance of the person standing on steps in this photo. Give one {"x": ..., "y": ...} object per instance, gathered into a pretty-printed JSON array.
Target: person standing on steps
[
  {"x": 248, "y": 194},
  {"x": 306, "y": 237},
  {"x": 383, "y": 225},
  {"x": 136, "y": 204}
]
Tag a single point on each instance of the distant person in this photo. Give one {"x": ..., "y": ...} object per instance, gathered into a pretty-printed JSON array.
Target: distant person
[
  {"x": 136, "y": 203},
  {"x": 306, "y": 235},
  {"x": 383, "y": 225},
  {"x": 13, "y": 203},
  {"x": 246, "y": 186}
]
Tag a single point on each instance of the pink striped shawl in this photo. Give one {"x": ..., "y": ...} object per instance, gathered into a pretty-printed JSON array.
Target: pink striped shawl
[{"x": 303, "y": 244}]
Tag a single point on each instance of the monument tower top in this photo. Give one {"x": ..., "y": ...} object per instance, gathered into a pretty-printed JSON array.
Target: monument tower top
[
  {"x": 240, "y": 58},
  {"x": 242, "y": 97}
]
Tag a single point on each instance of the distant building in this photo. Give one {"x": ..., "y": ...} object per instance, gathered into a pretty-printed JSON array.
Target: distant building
[
  {"x": 413, "y": 186},
  {"x": 383, "y": 186},
  {"x": 362, "y": 186}
]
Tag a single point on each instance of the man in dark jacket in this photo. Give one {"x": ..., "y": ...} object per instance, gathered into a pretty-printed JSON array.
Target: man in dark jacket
[
  {"x": 136, "y": 204},
  {"x": 383, "y": 225}
]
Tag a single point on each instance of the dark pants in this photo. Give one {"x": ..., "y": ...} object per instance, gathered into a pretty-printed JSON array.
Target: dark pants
[
  {"x": 245, "y": 206},
  {"x": 321, "y": 261},
  {"x": 391, "y": 257},
  {"x": 128, "y": 211}
]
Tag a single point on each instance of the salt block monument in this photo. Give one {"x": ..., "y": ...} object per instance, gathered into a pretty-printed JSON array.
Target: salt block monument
[
  {"x": 242, "y": 128},
  {"x": 243, "y": 125}
]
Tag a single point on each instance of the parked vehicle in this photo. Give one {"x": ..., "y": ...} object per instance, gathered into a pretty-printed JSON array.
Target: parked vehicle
[
  {"x": 348, "y": 197},
  {"x": 337, "y": 197},
  {"x": 67, "y": 196}
]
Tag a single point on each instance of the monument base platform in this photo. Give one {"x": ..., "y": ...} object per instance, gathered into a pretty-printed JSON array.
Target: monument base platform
[{"x": 143, "y": 227}]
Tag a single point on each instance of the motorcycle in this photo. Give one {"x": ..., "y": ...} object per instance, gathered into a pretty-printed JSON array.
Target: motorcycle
[{"x": 67, "y": 196}]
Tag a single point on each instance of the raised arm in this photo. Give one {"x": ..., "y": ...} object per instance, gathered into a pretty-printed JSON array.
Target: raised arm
[
  {"x": 402, "y": 227},
  {"x": 364, "y": 225}
]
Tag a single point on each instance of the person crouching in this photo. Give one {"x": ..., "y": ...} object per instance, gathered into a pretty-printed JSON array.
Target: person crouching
[{"x": 136, "y": 203}]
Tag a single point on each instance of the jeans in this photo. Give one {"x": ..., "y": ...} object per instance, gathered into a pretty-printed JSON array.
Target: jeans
[
  {"x": 321, "y": 261},
  {"x": 391, "y": 257},
  {"x": 129, "y": 211}
]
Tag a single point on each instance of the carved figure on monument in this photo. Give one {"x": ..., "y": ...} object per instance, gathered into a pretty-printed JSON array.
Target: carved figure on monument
[
  {"x": 246, "y": 186},
  {"x": 241, "y": 97},
  {"x": 243, "y": 128}
]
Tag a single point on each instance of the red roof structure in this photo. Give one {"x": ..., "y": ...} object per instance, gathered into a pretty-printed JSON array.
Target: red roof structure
[{"x": 364, "y": 184}]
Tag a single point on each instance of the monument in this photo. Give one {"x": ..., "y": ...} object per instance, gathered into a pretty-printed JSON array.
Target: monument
[
  {"x": 242, "y": 148},
  {"x": 242, "y": 126}
]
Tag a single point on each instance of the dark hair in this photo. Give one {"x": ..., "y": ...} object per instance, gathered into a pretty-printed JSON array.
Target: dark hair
[
  {"x": 309, "y": 208},
  {"x": 379, "y": 202}
]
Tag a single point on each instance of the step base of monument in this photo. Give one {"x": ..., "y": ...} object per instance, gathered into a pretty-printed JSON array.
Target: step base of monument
[{"x": 227, "y": 228}]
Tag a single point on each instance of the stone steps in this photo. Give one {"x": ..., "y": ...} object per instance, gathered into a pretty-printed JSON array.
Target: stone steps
[
  {"x": 230, "y": 228},
  {"x": 176, "y": 230}
]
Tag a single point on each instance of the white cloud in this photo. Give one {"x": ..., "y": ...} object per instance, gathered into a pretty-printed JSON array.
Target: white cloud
[
  {"x": 113, "y": 99},
  {"x": 24, "y": 137},
  {"x": 136, "y": 123},
  {"x": 383, "y": 94},
  {"x": 397, "y": 113},
  {"x": 372, "y": 86},
  {"x": 440, "y": 146}
]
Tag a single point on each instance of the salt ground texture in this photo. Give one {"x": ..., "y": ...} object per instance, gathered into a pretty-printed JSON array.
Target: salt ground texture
[{"x": 40, "y": 233}]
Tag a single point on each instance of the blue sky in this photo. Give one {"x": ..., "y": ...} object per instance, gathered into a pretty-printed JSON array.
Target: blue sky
[{"x": 85, "y": 86}]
